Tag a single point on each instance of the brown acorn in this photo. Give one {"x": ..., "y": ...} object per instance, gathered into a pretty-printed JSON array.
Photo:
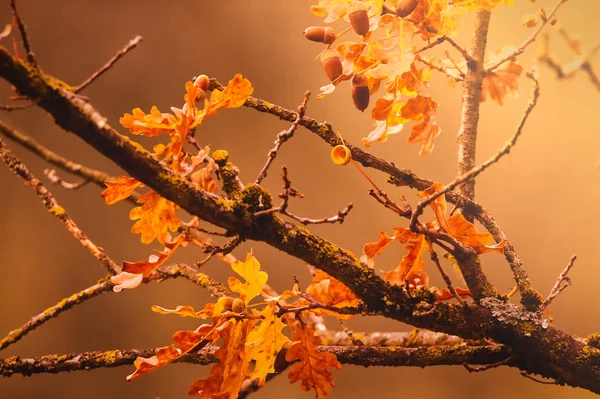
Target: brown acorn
[
  {"x": 235, "y": 305},
  {"x": 320, "y": 34},
  {"x": 406, "y": 7},
  {"x": 202, "y": 82},
  {"x": 357, "y": 12},
  {"x": 360, "y": 92},
  {"x": 331, "y": 64}
]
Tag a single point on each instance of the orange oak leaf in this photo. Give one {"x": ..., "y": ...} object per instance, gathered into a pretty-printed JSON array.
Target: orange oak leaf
[
  {"x": 184, "y": 341},
  {"x": 254, "y": 278},
  {"x": 445, "y": 294},
  {"x": 458, "y": 227},
  {"x": 120, "y": 189},
  {"x": 225, "y": 378},
  {"x": 411, "y": 266},
  {"x": 465, "y": 232},
  {"x": 154, "y": 218},
  {"x": 264, "y": 343},
  {"x": 425, "y": 132},
  {"x": 312, "y": 366},
  {"x": 371, "y": 249},
  {"x": 151, "y": 124},
  {"x": 501, "y": 82},
  {"x": 233, "y": 96},
  {"x": 134, "y": 272},
  {"x": 145, "y": 267},
  {"x": 330, "y": 291}
]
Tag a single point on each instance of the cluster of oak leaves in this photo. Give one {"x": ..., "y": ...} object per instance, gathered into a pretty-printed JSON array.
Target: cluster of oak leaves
[{"x": 252, "y": 337}]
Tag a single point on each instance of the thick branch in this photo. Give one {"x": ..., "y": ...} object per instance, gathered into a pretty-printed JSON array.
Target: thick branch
[{"x": 357, "y": 355}]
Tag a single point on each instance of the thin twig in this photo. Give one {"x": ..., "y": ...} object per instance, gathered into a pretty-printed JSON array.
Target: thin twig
[
  {"x": 54, "y": 208},
  {"x": 521, "y": 49},
  {"x": 56, "y": 179},
  {"x": 53, "y": 311},
  {"x": 24, "y": 37},
  {"x": 478, "y": 369},
  {"x": 441, "y": 69},
  {"x": 474, "y": 172},
  {"x": 558, "y": 288},
  {"x": 282, "y": 137},
  {"x": 289, "y": 191},
  {"x": 532, "y": 378},
  {"x": 130, "y": 46},
  {"x": 96, "y": 176},
  {"x": 16, "y": 107},
  {"x": 435, "y": 258}
]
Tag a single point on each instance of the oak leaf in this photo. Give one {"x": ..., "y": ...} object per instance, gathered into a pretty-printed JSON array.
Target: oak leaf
[
  {"x": 329, "y": 291},
  {"x": 264, "y": 343},
  {"x": 371, "y": 249},
  {"x": 501, "y": 82},
  {"x": 225, "y": 378},
  {"x": 411, "y": 266},
  {"x": 120, "y": 189},
  {"x": 254, "y": 278},
  {"x": 184, "y": 342},
  {"x": 312, "y": 366},
  {"x": 234, "y": 95},
  {"x": 150, "y": 125},
  {"x": 154, "y": 218}
]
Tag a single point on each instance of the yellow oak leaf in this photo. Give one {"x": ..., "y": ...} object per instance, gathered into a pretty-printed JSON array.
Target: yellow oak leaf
[
  {"x": 264, "y": 343},
  {"x": 154, "y": 218},
  {"x": 312, "y": 366},
  {"x": 120, "y": 189},
  {"x": 254, "y": 278}
]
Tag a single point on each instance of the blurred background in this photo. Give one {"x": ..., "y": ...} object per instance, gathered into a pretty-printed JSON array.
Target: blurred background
[{"x": 545, "y": 194}]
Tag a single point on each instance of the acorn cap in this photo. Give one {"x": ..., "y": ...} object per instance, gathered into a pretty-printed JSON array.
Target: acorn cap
[
  {"x": 357, "y": 6},
  {"x": 329, "y": 53},
  {"x": 360, "y": 80},
  {"x": 341, "y": 155}
]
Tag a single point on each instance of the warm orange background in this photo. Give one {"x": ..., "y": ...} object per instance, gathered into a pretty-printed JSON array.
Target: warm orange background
[{"x": 545, "y": 194}]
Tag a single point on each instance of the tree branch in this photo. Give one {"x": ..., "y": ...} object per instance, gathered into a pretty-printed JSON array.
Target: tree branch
[
  {"x": 53, "y": 311},
  {"x": 357, "y": 355},
  {"x": 96, "y": 176},
  {"x": 549, "y": 351},
  {"x": 54, "y": 208}
]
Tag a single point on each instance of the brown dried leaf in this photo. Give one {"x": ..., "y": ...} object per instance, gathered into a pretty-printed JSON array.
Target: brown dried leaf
[
  {"x": 312, "y": 366},
  {"x": 502, "y": 82}
]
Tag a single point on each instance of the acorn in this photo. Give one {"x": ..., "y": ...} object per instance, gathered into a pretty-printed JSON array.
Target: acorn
[
  {"x": 360, "y": 92},
  {"x": 331, "y": 64},
  {"x": 235, "y": 305},
  {"x": 202, "y": 82},
  {"x": 320, "y": 34},
  {"x": 357, "y": 12},
  {"x": 341, "y": 155},
  {"x": 406, "y": 7}
]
